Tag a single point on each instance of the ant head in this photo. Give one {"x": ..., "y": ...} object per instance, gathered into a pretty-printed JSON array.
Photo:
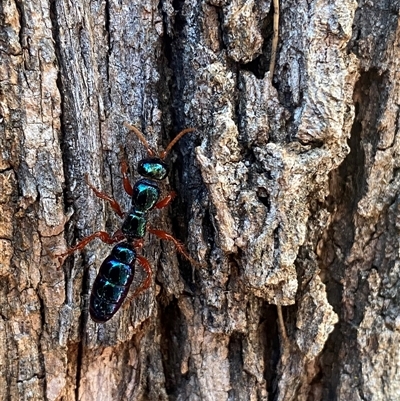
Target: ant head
[
  {"x": 153, "y": 154},
  {"x": 153, "y": 168}
]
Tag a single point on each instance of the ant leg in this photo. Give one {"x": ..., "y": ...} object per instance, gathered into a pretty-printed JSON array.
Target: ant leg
[
  {"x": 113, "y": 203},
  {"x": 146, "y": 283},
  {"x": 179, "y": 246},
  {"x": 146, "y": 266},
  {"x": 127, "y": 185},
  {"x": 166, "y": 201},
  {"x": 102, "y": 235}
]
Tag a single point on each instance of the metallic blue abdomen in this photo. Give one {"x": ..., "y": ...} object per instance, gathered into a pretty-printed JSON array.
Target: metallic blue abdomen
[{"x": 112, "y": 282}]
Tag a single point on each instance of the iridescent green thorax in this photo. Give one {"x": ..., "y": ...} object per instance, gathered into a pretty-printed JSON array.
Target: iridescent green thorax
[
  {"x": 153, "y": 168},
  {"x": 145, "y": 195},
  {"x": 134, "y": 225}
]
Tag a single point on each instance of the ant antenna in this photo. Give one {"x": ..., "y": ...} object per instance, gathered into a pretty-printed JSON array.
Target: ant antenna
[
  {"x": 165, "y": 152},
  {"x": 151, "y": 152},
  {"x": 141, "y": 137}
]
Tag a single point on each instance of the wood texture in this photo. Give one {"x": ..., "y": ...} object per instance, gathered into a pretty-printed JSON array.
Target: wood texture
[{"x": 287, "y": 194}]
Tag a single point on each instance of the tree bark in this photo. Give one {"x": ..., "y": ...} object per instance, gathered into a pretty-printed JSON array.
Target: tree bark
[{"x": 287, "y": 198}]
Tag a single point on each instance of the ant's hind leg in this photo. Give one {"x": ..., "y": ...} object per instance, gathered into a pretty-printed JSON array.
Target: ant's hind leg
[{"x": 146, "y": 283}]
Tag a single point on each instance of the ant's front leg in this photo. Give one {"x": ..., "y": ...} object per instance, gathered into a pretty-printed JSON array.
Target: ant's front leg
[
  {"x": 113, "y": 203},
  {"x": 127, "y": 185}
]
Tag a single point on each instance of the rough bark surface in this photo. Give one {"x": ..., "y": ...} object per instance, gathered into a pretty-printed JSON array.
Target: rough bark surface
[{"x": 287, "y": 195}]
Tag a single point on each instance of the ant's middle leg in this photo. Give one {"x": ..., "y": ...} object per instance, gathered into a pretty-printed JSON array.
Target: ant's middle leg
[{"x": 113, "y": 203}]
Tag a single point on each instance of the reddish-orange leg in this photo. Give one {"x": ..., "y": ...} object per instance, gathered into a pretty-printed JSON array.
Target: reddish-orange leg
[
  {"x": 127, "y": 185},
  {"x": 102, "y": 235},
  {"x": 179, "y": 246},
  {"x": 146, "y": 283},
  {"x": 113, "y": 203},
  {"x": 166, "y": 201}
]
